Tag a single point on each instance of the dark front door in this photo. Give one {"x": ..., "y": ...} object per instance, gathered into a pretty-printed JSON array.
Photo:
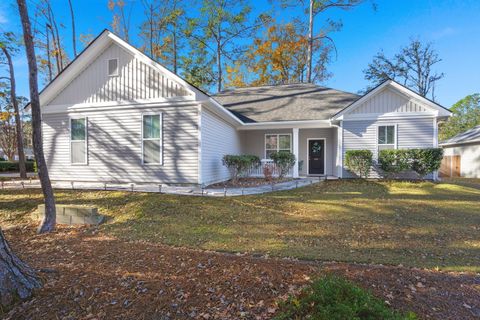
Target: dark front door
[{"x": 316, "y": 156}]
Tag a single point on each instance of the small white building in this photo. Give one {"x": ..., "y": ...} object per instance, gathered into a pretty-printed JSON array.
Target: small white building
[{"x": 462, "y": 155}]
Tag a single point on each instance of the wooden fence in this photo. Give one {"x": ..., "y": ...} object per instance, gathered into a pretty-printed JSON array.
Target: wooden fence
[{"x": 450, "y": 167}]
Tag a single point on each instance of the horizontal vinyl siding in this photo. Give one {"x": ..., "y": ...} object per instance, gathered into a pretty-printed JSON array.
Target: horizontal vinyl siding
[
  {"x": 115, "y": 146},
  {"x": 362, "y": 134},
  {"x": 136, "y": 80},
  {"x": 218, "y": 138},
  {"x": 469, "y": 158}
]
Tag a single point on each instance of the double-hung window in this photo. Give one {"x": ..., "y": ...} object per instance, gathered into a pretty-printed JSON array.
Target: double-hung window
[
  {"x": 152, "y": 139},
  {"x": 78, "y": 141},
  {"x": 276, "y": 143},
  {"x": 387, "y": 137}
]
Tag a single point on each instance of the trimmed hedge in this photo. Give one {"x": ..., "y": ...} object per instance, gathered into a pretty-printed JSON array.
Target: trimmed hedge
[
  {"x": 421, "y": 161},
  {"x": 284, "y": 160},
  {"x": 393, "y": 161},
  {"x": 239, "y": 164},
  {"x": 359, "y": 162},
  {"x": 10, "y": 166}
]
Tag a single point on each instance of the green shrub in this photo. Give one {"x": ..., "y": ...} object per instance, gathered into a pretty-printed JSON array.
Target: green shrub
[
  {"x": 393, "y": 161},
  {"x": 11, "y": 166},
  {"x": 422, "y": 161},
  {"x": 239, "y": 164},
  {"x": 359, "y": 162},
  {"x": 332, "y": 297},
  {"x": 425, "y": 161},
  {"x": 284, "y": 160}
]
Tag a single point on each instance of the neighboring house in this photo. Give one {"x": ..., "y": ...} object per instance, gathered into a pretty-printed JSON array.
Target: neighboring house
[
  {"x": 116, "y": 115},
  {"x": 28, "y": 154},
  {"x": 462, "y": 155}
]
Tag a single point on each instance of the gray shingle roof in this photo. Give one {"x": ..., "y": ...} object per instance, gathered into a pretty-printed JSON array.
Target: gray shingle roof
[
  {"x": 285, "y": 102},
  {"x": 469, "y": 136}
]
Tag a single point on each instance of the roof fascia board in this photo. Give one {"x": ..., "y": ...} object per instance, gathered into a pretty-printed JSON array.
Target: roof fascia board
[
  {"x": 222, "y": 112},
  {"x": 302, "y": 124},
  {"x": 77, "y": 65},
  {"x": 199, "y": 95},
  {"x": 142, "y": 57},
  {"x": 401, "y": 89},
  {"x": 442, "y": 111},
  {"x": 458, "y": 143}
]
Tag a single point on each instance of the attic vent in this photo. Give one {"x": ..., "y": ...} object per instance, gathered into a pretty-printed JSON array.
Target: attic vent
[{"x": 113, "y": 67}]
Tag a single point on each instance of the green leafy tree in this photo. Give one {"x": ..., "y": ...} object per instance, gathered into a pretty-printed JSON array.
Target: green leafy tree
[
  {"x": 163, "y": 31},
  {"x": 280, "y": 56},
  {"x": 216, "y": 31},
  {"x": 9, "y": 47},
  {"x": 413, "y": 66},
  {"x": 466, "y": 115}
]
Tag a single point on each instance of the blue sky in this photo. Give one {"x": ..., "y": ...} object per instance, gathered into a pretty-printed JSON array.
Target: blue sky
[{"x": 452, "y": 25}]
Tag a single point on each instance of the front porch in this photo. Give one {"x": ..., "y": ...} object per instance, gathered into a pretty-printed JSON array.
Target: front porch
[{"x": 315, "y": 148}]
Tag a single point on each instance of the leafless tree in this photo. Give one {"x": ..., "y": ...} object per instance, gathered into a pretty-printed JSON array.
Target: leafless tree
[{"x": 413, "y": 66}]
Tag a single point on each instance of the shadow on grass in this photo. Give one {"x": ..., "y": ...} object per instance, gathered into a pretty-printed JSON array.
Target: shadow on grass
[{"x": 420, "y": 224}]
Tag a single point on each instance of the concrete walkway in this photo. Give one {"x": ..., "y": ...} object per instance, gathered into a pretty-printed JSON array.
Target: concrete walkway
[
  {"x": 180, "y": 190},
  {"x": 16, "y": 174}
]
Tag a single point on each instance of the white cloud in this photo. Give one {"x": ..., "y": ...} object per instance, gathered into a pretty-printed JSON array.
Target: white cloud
[
  {"x": 3, "y": 16},
  {"x": 443, "y": 33}
]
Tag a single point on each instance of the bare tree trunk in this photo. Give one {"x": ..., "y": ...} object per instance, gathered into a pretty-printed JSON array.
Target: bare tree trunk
[
  {"x": 175, "y": 48},
  {"x": 48, "y": 223},
  {"x": 310, "y": 43},
  {"x": 49, "y": 66},
  {"x": 17, "y": 279},
  {"x": 18, "y": 122},
  {"x": 74, "y": 38},
  {"x": 56, "y": 49},
  {"x": 219, "y": 67},
  {"x": 219, "y": 58}
]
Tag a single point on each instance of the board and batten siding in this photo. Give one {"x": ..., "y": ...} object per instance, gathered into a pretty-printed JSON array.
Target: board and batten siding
[
  {"x": 135, "y": 81},
  {"x": 115, "y": 146},
  {"x": 469, "y": 158},
  {"x": 388, "y": 101},
  {"x": 362, "y": 134},
  {"x": 218, "y": 138}
]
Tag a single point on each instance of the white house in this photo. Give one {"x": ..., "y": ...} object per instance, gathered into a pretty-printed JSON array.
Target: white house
[
  {"x": 115, "y": 115},
  {"x": 462, "y": 154}
]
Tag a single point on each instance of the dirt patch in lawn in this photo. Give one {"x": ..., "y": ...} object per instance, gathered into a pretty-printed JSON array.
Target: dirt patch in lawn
[
  {"x": 89, "y": 275},
  {"x": 248, "y": 183}
]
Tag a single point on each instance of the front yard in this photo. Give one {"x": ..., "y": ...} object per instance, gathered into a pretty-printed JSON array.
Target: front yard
[
  {"x": 130, "y": 268},
  {"x": 413, "y": 224}
]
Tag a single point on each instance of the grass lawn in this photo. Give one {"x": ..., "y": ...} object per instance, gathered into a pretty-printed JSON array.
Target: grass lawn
[{"x": 415, "y": 224}]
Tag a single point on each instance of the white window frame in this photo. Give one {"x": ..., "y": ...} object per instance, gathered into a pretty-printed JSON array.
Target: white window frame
[
  {"x": 151, "y": 139},
  {"x": 116, "y": 74},
  {"x": 278, "y": 142},
  {"x": 85, "y": 163},
  {"x": 395, "y": 136}
]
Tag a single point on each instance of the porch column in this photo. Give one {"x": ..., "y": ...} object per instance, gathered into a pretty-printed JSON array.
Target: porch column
[{"x": 295, "y": 151}]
